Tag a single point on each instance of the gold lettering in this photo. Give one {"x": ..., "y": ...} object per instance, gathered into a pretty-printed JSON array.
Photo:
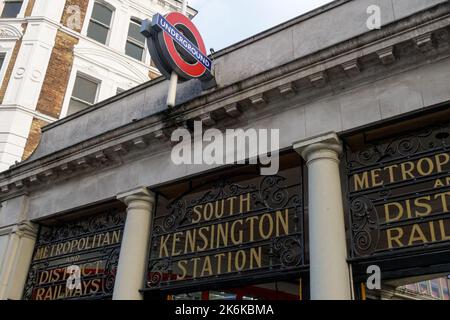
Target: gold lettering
[
  {"x": 231, "y": 201},
  {"x": 417, "y": 235},
  {"x": 428, "y": 209},
  {"x": 387, "y": 211},
  {"x": 222, "y": 209},
  {"x": 376, "y": 181},
  {"x": 106, "y": 240},
  {"x": 407, "y": 172},
  {"x": 420, "y": 168},
  {"x": 219, "y": 262},
  {"x": 233, "y": 232},
  {"x": 207, "y": 268},
  {"x": 240, "y": 260},
  {"x": 116, "y": 236},
  {"x": 176, "y": 239},
  {"x": 182, "y": 265},
  {"x": 222, "y": 235},
  {"x": 252, "y": 227},
  {"x": 432, "y": 231},
  {"x": 208, "y": 211},
  {"x": 195, "y": 260},
  {"x": 438, "y": 184},
  {"x": 44, "y": 277},
  {"x": 262, "y": 223},
  {"x": 198, "y": 214},
  {"x": 391, "y": 238},
  {"x": 190, "y": 241},
  {"x": 255, "y": 254},
  {"x": 441, "y": 160},
  {"x": 361, "y": 183},
  {"x": 444, "y": 235},
  {"x": 204, "y": 238},
  {"x": 163, "y": 246},
  {"x": 282, "y": 221},
  {"x": 443, "y": 197},
  {"x": 247, "y": 200},
  {"x": 39, "y": 293},
  {"x": 40, "y": 253},
  {"x": 95, "y": 285},
  {"x": 391, "y": 172}
]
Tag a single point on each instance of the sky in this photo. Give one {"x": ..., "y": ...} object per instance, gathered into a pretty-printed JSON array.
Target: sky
[{"x": 225, "y": 22}]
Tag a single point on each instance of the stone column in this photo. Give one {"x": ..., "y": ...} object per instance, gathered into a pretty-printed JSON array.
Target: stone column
[
  {"x": 329, "y": 272},
  {"x": 131, "y": 271},
  {"x": 17, "y": 260}
]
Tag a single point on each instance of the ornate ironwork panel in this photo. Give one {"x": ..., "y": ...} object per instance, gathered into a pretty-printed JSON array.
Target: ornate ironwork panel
[
  {"x": 399, "y": 193},
  {"x": 237, "y": 228},
  {"x": 90, "y": 245}
]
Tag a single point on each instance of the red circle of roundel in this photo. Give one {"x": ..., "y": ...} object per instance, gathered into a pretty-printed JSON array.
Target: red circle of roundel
[{"x": 193, "y": 70}]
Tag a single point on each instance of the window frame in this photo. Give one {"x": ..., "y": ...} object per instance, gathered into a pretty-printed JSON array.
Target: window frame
[
  {"x": 4, "y": 2},
  {"x": 133, "y": 41},
  {"x": 72, "y": 97},
  {"x": 99, "y": 23},
  {"x": 3, "y": 54}
]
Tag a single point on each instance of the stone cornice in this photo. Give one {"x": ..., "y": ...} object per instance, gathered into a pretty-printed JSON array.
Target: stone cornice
[
  {"x": 356, "y": 48},
  {"x": 427, "y": 30}
]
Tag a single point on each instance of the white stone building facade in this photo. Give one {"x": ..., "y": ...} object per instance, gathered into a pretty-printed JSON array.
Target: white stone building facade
[{"x": 45, "y": 45}]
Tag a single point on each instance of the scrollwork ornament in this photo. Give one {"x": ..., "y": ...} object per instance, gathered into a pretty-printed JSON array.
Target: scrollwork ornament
[
  {"x": 398, "y": 148},
  {"x": 289, "y": 250},
  {"x": 111, "y": 270},
  {"x": 156, "y": 273},
  {"x": 273, "y": 192},
  {"x": 408, "y": 146},
  {"x": 365, "y": 232}
]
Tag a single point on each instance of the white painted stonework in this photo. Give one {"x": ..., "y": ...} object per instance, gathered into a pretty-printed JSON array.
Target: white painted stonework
[{"x": 107, "y": 64}]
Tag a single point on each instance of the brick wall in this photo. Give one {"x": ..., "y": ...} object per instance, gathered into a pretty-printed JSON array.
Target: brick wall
[
  {"x": 34, "y": 137},
  {"x": 56, "y": 79},
  {"x": 69, "y": 16}
]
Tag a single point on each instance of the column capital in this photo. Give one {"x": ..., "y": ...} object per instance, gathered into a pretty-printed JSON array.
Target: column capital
[
  {"x": 138, "y": 194},
  {"x": 26, "y": 229},
  {"x": 326, "y": 145}
]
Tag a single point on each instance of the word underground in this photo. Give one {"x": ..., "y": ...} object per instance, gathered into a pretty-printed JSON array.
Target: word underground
[
  {"x": 244, "y": 230},
  {"x": 184, "y": 42},
  {"x": 235, "y": 147}
]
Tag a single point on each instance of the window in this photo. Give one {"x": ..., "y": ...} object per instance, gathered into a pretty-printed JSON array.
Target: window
[
  {"x": 423, "y": 287},
  {"x": 100, "y": 23},
  {"x": 135, "y": 41},
  {"x": 435, "y": 288},
  {"x": 84, "y": 94},
  {"x": 2, "y": 60},
  {"x": 11, "y": 9}
]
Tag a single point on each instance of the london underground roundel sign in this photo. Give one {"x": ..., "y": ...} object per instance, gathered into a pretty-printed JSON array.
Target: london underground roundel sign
[{"x": 175, "y": 44}]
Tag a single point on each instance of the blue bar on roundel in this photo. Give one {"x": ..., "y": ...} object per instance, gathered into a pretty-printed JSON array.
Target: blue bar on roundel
[{"x": 192, "y": 49}]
